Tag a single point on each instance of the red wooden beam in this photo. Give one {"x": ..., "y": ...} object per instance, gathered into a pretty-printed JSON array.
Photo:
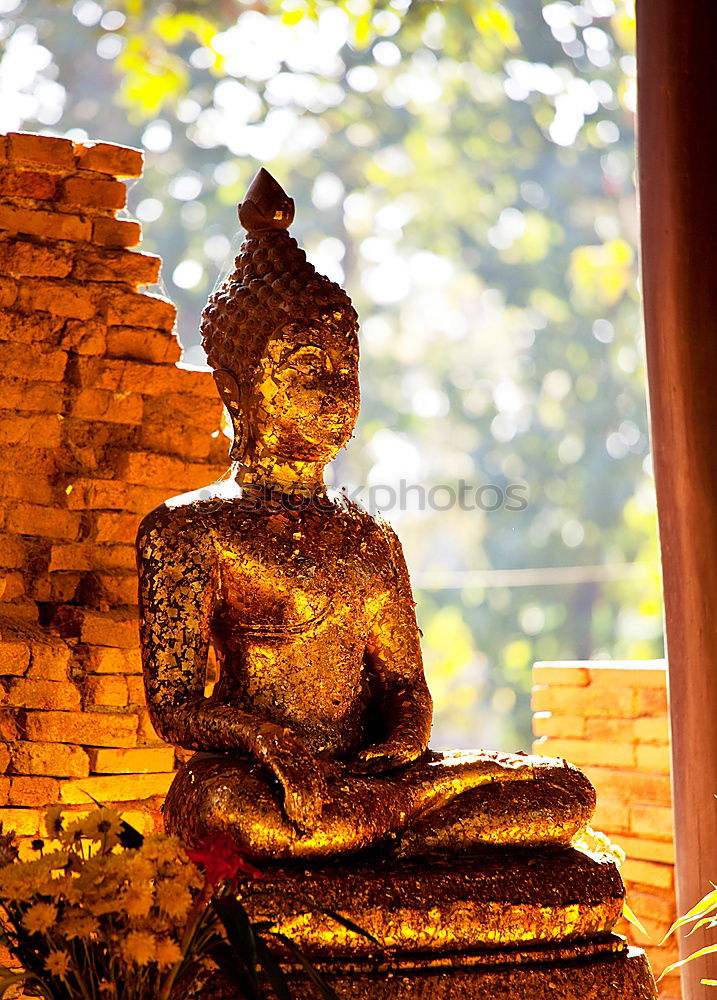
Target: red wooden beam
[{"x": 677, "y": 160}]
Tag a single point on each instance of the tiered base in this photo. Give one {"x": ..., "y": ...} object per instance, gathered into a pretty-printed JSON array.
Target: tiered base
[
  {"x": 613, "y": 975},
  {"x": 501, "y": 925}
]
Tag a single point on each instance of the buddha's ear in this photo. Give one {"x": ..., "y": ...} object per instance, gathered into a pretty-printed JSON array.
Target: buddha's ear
[{"x": 228, "y": 389}]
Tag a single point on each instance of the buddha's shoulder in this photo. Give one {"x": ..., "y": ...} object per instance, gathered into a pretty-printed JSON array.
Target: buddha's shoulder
[
  {"x": 185, "y": 517},
  {"x": 369, "y": 528}
]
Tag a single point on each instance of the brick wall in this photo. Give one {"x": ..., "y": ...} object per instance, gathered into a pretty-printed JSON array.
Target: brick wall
[
  {"x": 97, "y": 426},
  {"x": 610, "y": 719}
]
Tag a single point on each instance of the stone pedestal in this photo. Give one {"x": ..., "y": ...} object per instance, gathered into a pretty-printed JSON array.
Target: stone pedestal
[{"x": 502, "y": 925}]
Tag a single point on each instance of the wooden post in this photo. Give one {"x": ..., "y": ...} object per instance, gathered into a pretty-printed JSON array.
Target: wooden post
[{"x": 677, "y": 159}]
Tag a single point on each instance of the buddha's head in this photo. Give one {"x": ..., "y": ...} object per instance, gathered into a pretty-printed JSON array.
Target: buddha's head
[{"x": 283, "y": 342}]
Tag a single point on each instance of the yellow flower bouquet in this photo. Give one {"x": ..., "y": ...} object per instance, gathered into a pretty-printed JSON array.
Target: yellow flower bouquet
[{"x": 108, "y": 914}]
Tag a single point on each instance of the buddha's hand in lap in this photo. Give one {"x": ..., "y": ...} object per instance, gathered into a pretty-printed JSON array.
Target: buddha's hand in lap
[
  {"x": 393, "y": 754},
  {"x": 299, "y": 773}
]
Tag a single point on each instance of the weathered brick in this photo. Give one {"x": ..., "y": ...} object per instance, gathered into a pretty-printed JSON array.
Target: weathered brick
[
  {"x": 143, "y": 344},
  {"x": 109, "y": 660},
  {"x": 115, "y": 527},
  {"x": 655, "y": 730},
  {"x": 127, "y": 308},
  {"x": 49, "y": 660},
  {"x": 4, "y": 791},
  {"x": 631, "y": 785},
  {"x": 569, "y": 672},
  {"x": 661, "y": 906},
  {"x": 9, "y": 290},
  {"x": 145, "y": 468},
  {"x": 23, "y": 428},
  {"x": 653, "y": 822},
  {"x": 33, "y": 259},
  {"x": 588, "y": 701},
  {"x": 37, "y": 184},
  {"x": 588, "y": 752},
  {"x": 169, "y": 438},
  {"x": 125, "y": 266},
  {"x": 93, "y": 193},
  {"x": 59, "y": 298},
  {"x": 100, "y": 729},
  {"x": 84, "y": 337},
  {"x": 86, "y": 556},
  {"x": 59, "y": 760},
  {"x": 651, "y": 702},
  {"x": 618, "y": 730},
  {"x": 40, "y": 328},
  {"x": 648, "y": 873},
  {"x": 113, "y": 232},
  {"x": 115, "y": 788},
  {"x": 33, "y": 791},
  {"x": 18, "y": 487},
  {"x": 135, "y": 689},
  {"x": 13, "y": 553},
  {"x": 136, "y": 761},
  {"x": 21, "y": 460},
  {"x": 631, "y": 673},
  {"x": 562, "y": 726},
  {"x": 14, "y": 657},
  {"x": 12, "y": 585},
  {"x": 106, "y": 158},
  {"x": 112, "y": 628},
  {"x": 26, "y": 692},
  {"x": 653, "y": 758},
  {"x": 17, "y": 364},
  {"x": 44, "y": 149},
  {"x": 611, "y": 814},
  {"x": 56, "y": 225},
  {"x": 48, "y": 522},
  {"x": 106, "y": 405},
  {"x": 118, "y": 588},
  {"x": 44, "y": 397},
  {"x": 146, "y": 733},
  {"x": 105, "y": 689},
  {"x": 25, "y": 822}
]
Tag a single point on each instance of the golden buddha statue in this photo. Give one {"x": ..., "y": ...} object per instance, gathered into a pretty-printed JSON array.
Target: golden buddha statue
[
  {"x": 313, "y": 745},
  {"x": 314, "y": 741}
]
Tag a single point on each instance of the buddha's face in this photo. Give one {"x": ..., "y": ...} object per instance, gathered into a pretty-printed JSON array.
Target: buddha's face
[{"x": 306, "y": 395}]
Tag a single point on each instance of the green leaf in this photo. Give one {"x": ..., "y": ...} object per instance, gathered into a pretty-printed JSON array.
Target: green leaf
[
  {"x": 234, "y": 969},
  {"x": 273, "y": 971},
  {"x": 349, "y": 925},
  {"x": 239, "y": 932},
  {"x": 711, "y": 949},
  {"x": 326, "y": 992},
  {"x": 705, "y": 905},
  {"x": 632, "y": 919}
]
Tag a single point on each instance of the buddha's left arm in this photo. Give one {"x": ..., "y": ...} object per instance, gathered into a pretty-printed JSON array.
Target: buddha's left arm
[{"x": 393, "y": 645}]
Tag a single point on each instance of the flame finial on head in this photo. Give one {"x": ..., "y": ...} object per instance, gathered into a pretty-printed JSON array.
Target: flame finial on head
[{"x": 266, "y": 205}]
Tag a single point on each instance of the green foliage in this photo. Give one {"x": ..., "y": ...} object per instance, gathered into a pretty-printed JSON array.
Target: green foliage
[
  {"x": 702, "y": 914},
  {"x": 465, "y": 168}
]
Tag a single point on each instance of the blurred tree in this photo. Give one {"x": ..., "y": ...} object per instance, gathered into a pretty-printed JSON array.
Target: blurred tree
[{"x": 465, "y": 168}]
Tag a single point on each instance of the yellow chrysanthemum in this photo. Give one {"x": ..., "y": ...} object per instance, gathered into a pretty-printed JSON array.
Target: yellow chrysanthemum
[
  {"x": 174, "y": 899},
  {"x": 161, "y": 848},
  {"x": 104, "y": 825},
  {"x": 139, "y": 947},
  {"x": 76, "y": 924},
  {"x": 137, "y": 899},
  {"x": 40, "y": 917},
  {"x": 54, "y": 821},
  {"x": 74, "y": 833},
  {"x": 168, "y": 952},
  {"x": 58, "y": 963}
]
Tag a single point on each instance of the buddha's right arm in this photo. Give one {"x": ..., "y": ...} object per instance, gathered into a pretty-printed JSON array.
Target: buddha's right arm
[{"x": 177, "y": 586}]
